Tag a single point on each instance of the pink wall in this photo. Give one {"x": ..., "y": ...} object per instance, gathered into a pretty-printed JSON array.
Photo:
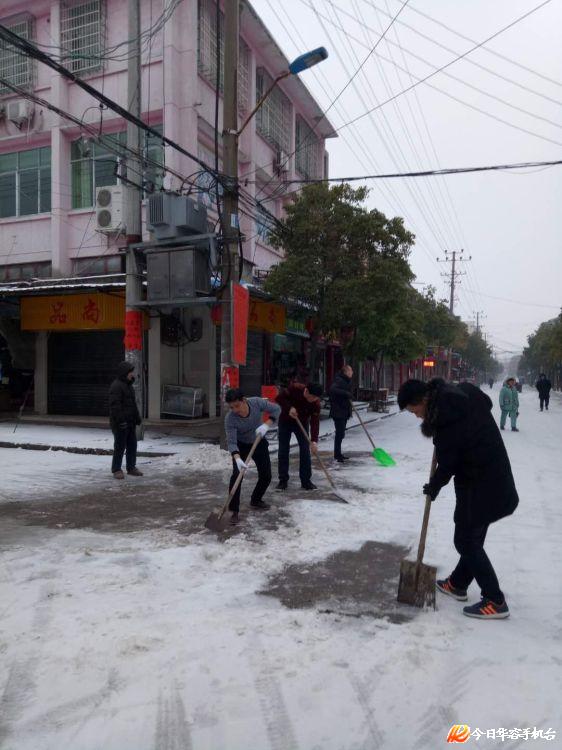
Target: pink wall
[{"x": 172, "y": 92}]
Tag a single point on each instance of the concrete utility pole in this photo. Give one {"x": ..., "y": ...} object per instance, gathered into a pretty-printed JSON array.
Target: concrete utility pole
[
  {"x": 230, "y": 218},
  {"x": 455, "y": 258},
  {"x": 479, "y": 314},
  {"x": 133, "y": 316}
]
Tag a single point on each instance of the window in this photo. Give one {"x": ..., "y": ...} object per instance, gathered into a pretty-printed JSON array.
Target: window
[
  {"x": 264, "y": 224},
  {"x": 94, "y": 165},
  {"x": 107, "y": 264},
  {"x": 274, "y": 117},
  {"x": 309, "y": 155},
  {"x": 15, "y": 67},
  {"x": 83, "y": 35},
  {"x": 205, "y": 181},
  {"x": 153, "y": 152},
  {"x": 23, "y": 271},
  {"x": 207, "y": 52},
  {"x": 25, "y": 182}
]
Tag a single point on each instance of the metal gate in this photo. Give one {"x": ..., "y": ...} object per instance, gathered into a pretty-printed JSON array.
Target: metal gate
[{"x": 82, "y": 366}]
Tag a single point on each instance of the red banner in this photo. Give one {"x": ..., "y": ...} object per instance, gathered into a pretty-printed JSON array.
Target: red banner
[
  {"x": 240, "y": 311},
  {"x": 230, "y": 378},
  {"x": 133, "y": 330}
]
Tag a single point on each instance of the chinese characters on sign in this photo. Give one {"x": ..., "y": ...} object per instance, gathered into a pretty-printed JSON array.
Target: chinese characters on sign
[
  {"x": 73, "y": 312},
  {"x": 460, "y": 733},
  {"x": 91, "y": 311},
  {"x": 267, "y": 316}
]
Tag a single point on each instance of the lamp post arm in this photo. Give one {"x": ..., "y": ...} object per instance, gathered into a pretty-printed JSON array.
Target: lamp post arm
[{"x": 262, "y": 100}]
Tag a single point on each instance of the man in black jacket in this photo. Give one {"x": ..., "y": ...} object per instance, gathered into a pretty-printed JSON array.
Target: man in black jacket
[
  {"x": 543, "y": 386},
  {"x": 468, "y": 446},
  {"x": 124, "y": 417},
  {"x": 340, "y": 407}
]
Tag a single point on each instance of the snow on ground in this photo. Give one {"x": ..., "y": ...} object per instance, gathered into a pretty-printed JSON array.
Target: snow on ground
[{"x": 145, "y": 641}]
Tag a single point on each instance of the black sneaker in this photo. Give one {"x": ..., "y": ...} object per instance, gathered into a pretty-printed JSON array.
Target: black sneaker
[
  {"x": 502, "y": 428},
  {"x": 446, "y": 587},
  {"x": 234, "y": 519},
  {"x": 339, "y": 459},
  {"x": 282, "y": 485},
  {"x": 260, "y": 505},
  {"x": 515, "y": 429},
  {"x": 486, "y": 609},
  {"x": 308, "y": 486}
]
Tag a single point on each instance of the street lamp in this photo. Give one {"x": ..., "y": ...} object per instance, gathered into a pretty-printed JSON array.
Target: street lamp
[{"x": 302, "y": 62}]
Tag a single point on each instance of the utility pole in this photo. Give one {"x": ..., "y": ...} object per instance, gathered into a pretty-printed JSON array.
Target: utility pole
[
  {"x": 230, "y": 218},
  {"x": 133, "y": 316},
  {"x": 479, "y": 314},
  {"x": 455, "y": 257}
]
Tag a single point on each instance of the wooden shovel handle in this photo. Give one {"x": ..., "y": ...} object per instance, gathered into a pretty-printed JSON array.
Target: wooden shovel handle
[
  {"x": 324, "y": 469},
  {"x": 363, "y": 426},
  {"x": 240, "y": 477},
  {"x": 428, "y": 501}
]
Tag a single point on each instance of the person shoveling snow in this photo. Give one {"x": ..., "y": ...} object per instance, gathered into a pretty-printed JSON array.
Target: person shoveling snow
[{"x": 468, "y": 446}]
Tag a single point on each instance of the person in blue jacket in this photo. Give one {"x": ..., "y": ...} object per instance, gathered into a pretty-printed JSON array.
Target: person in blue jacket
[{"x": 509, "y": 404}]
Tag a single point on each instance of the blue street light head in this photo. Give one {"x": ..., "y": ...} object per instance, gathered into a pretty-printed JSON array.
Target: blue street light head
[{"x": 307, "y": 60}]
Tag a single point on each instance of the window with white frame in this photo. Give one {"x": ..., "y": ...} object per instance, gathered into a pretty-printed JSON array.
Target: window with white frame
[
  {"x": 83, "y": 35},
  {"x": 15, "y": 67},
  {"x": 25, "y": 182},
  {"x": 94, "y": 164},
  {"x": 265, "y": 223},
  {"x": 274, "y": 117},
  {"x": 207, "y": 52},
  {"x": 103, "y": 264},
  {"x": 153, "y": 153},
  {"x": 309, "y": 151}
]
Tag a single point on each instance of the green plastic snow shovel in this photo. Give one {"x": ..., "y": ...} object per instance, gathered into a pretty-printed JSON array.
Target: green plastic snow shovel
[{"x": 379, "y": 454}]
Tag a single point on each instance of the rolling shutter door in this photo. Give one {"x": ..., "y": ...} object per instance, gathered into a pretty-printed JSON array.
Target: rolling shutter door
[{"x": 251, "y": 374}]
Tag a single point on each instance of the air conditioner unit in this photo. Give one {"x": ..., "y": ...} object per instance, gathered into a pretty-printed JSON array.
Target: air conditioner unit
[
  {"x": 110, "y": 208},
  {"x": 281, "y": 163},
  {"x": 20, "y": 112}
]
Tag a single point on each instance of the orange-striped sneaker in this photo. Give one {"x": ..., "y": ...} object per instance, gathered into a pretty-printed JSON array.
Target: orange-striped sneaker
[
  {"x": 446, "y": 587},
  {"x": 486, "y": 609}
]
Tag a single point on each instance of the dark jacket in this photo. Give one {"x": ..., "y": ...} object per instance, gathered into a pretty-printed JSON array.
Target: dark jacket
[
  {"x": 122, "y": 403},
  {"x": 469, "y": 446},
  {"x": 340, "y": 397},
  {"x": 543, "y": 386},
  {"x": 307, "y": 410}
]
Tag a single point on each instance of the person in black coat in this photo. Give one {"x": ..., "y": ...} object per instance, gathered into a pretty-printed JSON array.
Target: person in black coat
[
  {"x": 124, "y": 417},
  {"x": 543, "y": 386},
  {"x": 340, "y": 407},
  {"x": 468, "y": 447}
]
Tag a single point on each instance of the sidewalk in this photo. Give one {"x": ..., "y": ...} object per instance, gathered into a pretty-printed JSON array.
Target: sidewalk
[{"x": 162, "y": 440}]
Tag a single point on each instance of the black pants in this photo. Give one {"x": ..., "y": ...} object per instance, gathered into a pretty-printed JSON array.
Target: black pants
[
  {"x": 544, "y": 400},
  {"x": 125, "y": 440},
  {"x": 340, "y": 423},
  {"x": 284, "y": 431},
  {"x": 263, "y": 465},
  {"x": 474, "y": 563}
]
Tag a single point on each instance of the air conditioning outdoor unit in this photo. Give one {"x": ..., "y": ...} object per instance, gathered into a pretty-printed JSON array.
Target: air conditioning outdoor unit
[
  {"x": 110, "y": 208},
  {"x": 281, "y": 163},
  {"x": 20, "y": 112}
]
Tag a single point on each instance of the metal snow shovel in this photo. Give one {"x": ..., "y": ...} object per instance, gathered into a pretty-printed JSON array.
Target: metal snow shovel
[
  {"x": 417, "y": 581},
  {"x": 324, "y": 469},
  {"x": 217, "y": 521},
  {"x": 380, "y": 455}
]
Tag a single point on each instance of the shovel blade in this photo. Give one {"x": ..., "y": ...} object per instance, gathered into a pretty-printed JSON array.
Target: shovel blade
[
  {"x": 216, "y": 522},
  {"x": 417, "y": 584},
  {"x": 383, "y": 458}
]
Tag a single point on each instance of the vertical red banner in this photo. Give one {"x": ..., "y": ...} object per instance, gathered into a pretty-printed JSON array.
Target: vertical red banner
[
  {"x": 240, "y": 312},
  {"x": 133, "y": 330}
]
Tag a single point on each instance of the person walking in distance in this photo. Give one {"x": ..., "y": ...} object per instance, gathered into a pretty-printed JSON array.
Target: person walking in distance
[
  {"x": 468, "y": 447},
  {"x": 509, "y": 404},
  {"x": 302, "y": 402},
  {"x": 124, "y": 417},
  {"x": 543, "y": 386},
  {"x": 340, "y": 407},
  {"x": 243, "y": 424}
]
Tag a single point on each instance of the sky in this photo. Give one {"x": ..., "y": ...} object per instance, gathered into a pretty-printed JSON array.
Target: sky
[{"x": 500, "y": 104}]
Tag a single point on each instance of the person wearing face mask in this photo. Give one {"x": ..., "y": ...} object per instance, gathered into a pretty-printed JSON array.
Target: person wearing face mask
[{"x": 124, "y": 417}]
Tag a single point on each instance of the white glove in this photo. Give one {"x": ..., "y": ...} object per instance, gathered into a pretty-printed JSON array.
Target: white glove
[
  {"x": 262, "y": 430},
  {"x": 240, "y": 464}
]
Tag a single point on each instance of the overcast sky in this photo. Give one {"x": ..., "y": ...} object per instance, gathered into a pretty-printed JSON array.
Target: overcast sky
[{"x": 510, "y": 223}]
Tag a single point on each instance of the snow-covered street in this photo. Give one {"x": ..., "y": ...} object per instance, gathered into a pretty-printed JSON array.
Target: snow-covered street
[{"x": 134, "y": 628}]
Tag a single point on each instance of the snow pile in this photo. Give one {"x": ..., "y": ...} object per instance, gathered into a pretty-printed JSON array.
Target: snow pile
[{"x": 208, "y": 457}]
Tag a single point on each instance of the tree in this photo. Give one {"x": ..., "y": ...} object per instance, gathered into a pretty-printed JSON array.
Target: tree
[{"x": 346, "y": 264}]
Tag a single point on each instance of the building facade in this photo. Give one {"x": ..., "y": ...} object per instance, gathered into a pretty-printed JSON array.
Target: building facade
[{"x": 51, "y": 247}]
